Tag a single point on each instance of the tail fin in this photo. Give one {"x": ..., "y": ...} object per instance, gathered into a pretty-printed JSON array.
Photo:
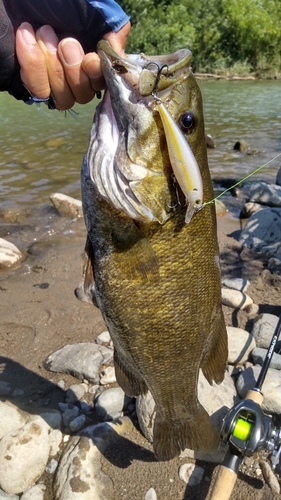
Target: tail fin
[{"x": 170, "y": 437}]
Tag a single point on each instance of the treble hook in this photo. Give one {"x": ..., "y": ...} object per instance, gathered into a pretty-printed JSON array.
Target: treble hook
[
  {"x": 158, "y": 76},
  {"x": 155, "y": 88}
]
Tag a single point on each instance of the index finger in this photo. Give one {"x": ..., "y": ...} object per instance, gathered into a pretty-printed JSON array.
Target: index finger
[{"x": 33, "y": 71}]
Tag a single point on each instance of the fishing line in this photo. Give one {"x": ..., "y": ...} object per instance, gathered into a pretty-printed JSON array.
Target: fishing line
[{"x": 242, "y": 180}]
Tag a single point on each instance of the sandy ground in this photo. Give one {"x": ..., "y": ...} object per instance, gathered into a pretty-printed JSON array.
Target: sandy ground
[{"x": 40, "y": 314}]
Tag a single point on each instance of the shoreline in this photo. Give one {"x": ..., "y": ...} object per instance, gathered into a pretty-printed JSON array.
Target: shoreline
[{"x": 250, "y": 77}]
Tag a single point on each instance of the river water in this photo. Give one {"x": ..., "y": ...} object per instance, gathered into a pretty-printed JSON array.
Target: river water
[{"x": 41, "y": 151}]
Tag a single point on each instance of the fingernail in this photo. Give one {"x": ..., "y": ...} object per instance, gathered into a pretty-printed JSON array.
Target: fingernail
[
  {"x": 49, "y": 38},
  {"x": 71, "y": 52},
  {"x": 28, "y": 33}
]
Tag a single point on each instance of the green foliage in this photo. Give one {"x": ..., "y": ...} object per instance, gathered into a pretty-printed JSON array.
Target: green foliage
[
  {"x": 222, "y": 34},
  {"x": 159, "y": 27}
]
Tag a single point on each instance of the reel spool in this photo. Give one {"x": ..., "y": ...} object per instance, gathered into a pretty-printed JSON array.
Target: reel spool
[{"x": 242, "y": 429}]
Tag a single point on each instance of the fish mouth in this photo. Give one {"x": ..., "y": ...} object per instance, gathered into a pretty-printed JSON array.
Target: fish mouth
[
  {"x": 124, "y": 155},
  {"x": 143, "y": 70}
]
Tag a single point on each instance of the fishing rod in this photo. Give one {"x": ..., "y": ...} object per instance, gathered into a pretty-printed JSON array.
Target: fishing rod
[{"x": 246, "y": 429}]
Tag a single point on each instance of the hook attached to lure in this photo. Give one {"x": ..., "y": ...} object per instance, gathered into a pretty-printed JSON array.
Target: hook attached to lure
[{"x": 184, "y": 164}]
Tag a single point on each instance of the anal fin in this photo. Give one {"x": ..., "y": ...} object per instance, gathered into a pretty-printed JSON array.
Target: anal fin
[
  {"x": 215, "y": 360},
  {"x": 132, "y": 383}
]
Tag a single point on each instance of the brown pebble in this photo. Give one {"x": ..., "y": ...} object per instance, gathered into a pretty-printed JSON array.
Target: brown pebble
[{"x": 270, "y": 477}]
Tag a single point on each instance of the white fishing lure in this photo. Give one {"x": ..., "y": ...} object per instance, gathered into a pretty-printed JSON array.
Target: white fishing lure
[{"x": 184, "y": 164}]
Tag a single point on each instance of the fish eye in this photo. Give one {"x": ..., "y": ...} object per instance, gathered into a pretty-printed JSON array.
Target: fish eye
[{"x": 187, "y": 122}]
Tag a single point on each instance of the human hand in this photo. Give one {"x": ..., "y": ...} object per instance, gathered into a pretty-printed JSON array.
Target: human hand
[{"x": 61, "y": 67}]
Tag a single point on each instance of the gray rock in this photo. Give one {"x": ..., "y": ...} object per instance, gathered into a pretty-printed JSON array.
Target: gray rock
[
  {"x": 270, "y": 388},
  {"x": 34, "y": 493},
  {"x": 80, "y": 360},
  {"x": 5, "y": 388},
  {"x": 108, "y": 376},
  {"x": 111, "y": 401},
  {"x": 52, "y": 417},
  {"x": 114, "y": 416},
  {"x": 249, "y": 209},
  {"x": 106, "y": 433},
  {"x": 103, "y": 338},
  {"x": 70, "y": 415},
  {"x": 145, "y": 408},
  {"x": 11, "y": 417},
  {"x": 278, "y": 177},
  {"x": 67, "y": 205},
  {"x": 240, "y": 345},
  {"x": 236, "y": 284},
  {"x": 150, "y": 494},
  {"x": 252, "y": 310},
  {"x": 216, "y": 399},
  {"x": 210, "y": 143},
  {"x": 259, "y": 356},
  {"x": 263, "y": 329},
  {"x": 274, "y": 265},
  {"x": 78, "y": 423},
  {"x": 75, "y": 392},
  {"x": 6, "y": 496},
  {"x": 235, "y": 298},
  {"x": 51, "y": 466},
  {"x": 55, "y": 440},
  {"x": 241, "y": 146},
  {"x": 93, "y": 389},
  {"x": 79, "y": 474},
  {"x": 65, "y": 406},
  {"x": 18, "y": 393},
  {"x": 9, "y": 254},
  {"x": 23, "y": 456},
  {"x": 265, "y": 194},
  {"x": 262, "y": 233},
  {"x": 191, "y": 474},
  {"x": 85, "y": 407}
]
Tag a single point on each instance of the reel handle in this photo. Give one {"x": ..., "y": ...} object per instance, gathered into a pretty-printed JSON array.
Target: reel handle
[{"x": 227, "y": 472}]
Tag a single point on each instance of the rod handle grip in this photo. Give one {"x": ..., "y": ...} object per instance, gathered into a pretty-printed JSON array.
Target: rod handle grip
[
  {"x": 224, "y": 484},
  {"x": 255, "y": 396}
]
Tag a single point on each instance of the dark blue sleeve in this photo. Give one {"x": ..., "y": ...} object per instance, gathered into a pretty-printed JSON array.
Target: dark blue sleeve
[{"x": 86, "y": 20}]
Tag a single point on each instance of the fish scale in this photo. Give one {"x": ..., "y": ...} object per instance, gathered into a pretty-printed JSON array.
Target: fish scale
[{"x": 157, "y": 281}]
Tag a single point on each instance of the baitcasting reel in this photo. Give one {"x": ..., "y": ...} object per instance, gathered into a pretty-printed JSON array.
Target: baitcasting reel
[{"x": 246, "y": 429}]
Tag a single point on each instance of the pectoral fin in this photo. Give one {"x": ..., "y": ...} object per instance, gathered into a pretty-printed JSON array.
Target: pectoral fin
[
  {"x": 134, "y": 255},
  {"x": 86, "y": 290}
]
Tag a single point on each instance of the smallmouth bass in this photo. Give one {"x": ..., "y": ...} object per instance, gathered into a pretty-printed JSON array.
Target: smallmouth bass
[{"x": 157, "y": 279}]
